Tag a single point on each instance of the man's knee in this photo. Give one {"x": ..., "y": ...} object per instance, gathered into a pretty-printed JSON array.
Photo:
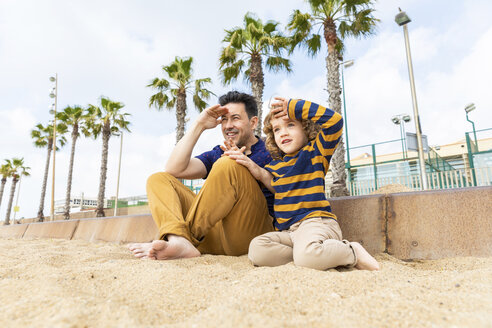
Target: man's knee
[
  {"x": 158, "y": 178},
  {"x": 225, "y": 163},
  {"x": 226, "y": 169}
]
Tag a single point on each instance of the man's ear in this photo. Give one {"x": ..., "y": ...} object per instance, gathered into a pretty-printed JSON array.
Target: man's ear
[{"x": 254, "y": 122}]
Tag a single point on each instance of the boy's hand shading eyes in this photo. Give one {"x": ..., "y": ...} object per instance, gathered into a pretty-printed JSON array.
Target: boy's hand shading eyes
[{"x": 279, "y": 109}]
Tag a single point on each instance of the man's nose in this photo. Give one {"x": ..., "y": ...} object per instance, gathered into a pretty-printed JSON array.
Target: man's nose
[{"x": 228, "y": 124}]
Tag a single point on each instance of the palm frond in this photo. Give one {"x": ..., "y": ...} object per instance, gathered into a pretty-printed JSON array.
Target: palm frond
[
  {"x": 237, "y": 39},
  {"x": 227, "y": 56},
  {"x": 313, "y": 44},
  {"x": 231, "y": 72},
  {"x": 276, "y": 64},
  {"x": 270, "y": 27}
]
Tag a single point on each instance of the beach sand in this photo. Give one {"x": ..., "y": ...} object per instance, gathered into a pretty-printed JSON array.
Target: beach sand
[{"x": 63, "y": 283}]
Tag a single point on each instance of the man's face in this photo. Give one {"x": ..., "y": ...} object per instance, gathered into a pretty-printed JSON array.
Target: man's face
[{"x": 236, "y": 125}]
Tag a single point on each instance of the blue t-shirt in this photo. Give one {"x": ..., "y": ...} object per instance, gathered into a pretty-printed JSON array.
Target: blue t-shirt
[{"x": 259, "y": 155}]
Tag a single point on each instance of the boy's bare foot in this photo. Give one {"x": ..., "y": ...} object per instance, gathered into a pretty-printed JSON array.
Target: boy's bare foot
[
  {"x": 365, "y": 261},
  {"x": 176, "y": 247}
]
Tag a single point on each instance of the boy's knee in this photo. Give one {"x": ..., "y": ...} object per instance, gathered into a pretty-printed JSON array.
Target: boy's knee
[
  {"x": 257, "y": 253},
  {"x": 310, "y": 257}
]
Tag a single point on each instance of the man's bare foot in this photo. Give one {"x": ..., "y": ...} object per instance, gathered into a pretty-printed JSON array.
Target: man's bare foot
[
  {"x": 140, "y": 250},
  {"x": 176, "y": 247},
  {"x": 365, "y": 261}
]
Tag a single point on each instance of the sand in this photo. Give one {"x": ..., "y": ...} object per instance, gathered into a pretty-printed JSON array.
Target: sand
[{"x": 62, "y": 283}]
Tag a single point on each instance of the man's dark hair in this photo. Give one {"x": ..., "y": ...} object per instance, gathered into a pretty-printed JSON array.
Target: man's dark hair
[{"x": 236, "y": 97}]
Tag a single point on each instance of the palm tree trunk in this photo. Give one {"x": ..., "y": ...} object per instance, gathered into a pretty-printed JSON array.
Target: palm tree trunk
[
  {"x": 337, "y": 165},
  {"x": 11, "y": 200},
  {"x": 104, "y": 168},
  {"x": 45, "y": 180},
  {"x": 180, "y": 114},
  {"x": 4, "y": 180},
  {"x": 257, "y": 85},
  {"x": 75, "y": 132}
]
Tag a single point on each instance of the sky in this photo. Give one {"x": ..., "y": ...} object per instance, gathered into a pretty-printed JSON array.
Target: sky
[{"x": 115, "y": 48}]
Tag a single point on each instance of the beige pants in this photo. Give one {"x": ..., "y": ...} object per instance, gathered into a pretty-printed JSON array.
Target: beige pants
[
  {"x": 313, "y": 243},
  {"x": 229, "y": 211}
]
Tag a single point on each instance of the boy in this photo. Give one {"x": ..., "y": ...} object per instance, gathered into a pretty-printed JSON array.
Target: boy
[{"x": 301, "y": 137}]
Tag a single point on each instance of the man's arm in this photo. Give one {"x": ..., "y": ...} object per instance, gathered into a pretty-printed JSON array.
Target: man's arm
[{"x": 180, "y": 164}]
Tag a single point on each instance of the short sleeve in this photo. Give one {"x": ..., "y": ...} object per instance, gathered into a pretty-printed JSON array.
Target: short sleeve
[{"x": 208, "y": 158}]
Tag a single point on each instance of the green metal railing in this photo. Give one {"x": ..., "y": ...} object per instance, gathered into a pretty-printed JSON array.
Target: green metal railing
[{"x": 368, "y": 177}]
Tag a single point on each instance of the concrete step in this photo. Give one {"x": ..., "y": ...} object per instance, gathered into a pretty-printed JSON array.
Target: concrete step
[{"x": 411, "y": 225}]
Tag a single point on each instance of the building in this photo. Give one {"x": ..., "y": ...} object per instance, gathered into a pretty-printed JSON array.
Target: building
[
  {"x": 459, "y": 164},
  {"x": 82, "y": 203}
]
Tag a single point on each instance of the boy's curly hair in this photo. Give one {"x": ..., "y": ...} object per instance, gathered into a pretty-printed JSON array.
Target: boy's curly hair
[{"x": 310, "y": 128}]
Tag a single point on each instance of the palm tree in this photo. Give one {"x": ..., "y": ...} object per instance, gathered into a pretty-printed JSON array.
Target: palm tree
[
  {"x": 106, "y": 120},
  {"x": 338, "y": 19},
  {"x": 18, "y": 169},
  {"x": 253, "y": 45},
  {"x": 172, "y": 92},
  {"x": 6, "y": 172},
  {"x": 43, "y": 137},
  {"x": 75, "y": 117}
]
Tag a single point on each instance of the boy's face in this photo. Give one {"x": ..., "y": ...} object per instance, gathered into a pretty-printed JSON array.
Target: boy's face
[
  {"x": 236, "y": 125},
  {"x": 289, "y": 135}
]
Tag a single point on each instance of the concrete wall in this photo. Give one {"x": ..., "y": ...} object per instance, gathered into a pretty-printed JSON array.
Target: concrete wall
[
  {"x": 437, "y": 224},
  {"x": 414, "y": 225},
  {"x": 362, "y": 219},
  {"x": 133, "y": 210}
]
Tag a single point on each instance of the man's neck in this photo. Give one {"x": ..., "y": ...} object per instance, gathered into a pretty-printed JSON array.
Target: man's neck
[{"x": 253, "y": 140}]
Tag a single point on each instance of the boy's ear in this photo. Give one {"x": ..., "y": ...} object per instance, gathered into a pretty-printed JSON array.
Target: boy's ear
[{"x": 254, "y": 122}]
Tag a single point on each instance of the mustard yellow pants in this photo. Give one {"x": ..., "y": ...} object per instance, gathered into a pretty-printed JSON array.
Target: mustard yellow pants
[
  {"x": 228, "y": 212},
  {"x": 314, "y": 243}
]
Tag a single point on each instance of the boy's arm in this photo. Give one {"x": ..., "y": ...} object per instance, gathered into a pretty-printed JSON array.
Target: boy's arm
[
  {"x": 331, "y": 123},
  {"x": 256, "y": 171},
  {"x": 306, "y": 110}
]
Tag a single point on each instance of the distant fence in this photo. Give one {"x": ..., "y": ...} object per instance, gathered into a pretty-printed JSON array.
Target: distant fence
[{"x": 436, "y": 180}]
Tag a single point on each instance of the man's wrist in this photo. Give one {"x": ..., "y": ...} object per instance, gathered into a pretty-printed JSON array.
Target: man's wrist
[{"x": 198, "y": 127}]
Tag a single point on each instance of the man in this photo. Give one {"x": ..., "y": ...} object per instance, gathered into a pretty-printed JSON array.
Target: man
[{"x": 231, "y": 208}]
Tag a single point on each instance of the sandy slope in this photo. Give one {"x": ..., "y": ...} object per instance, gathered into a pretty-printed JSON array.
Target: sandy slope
[{"x": 61, "y": 283}]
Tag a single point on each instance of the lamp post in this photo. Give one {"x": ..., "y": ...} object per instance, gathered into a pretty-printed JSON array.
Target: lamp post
[
  {"x": 54, "y": 94},
  {"x": 346, "y": 64},
  {"x": 468, "y": 109},
  {"x": 16, "y": 207},
  {"x": 118, "y": 179},
  {"x": 400, "y": 120},
  {"x": 402, "y": 20}
]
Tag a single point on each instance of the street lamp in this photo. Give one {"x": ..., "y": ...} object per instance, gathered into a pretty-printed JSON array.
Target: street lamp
[
  {"x": 402, "y": 20},
  {"x": 400, "y": 120},
  {"x": 346, "y": 64},
  {"x": 54, "y": 94},
  {"x": 468, "y": 109},
  {"x": 16, "y": 207},
  {"x": 118, "y": 179}
]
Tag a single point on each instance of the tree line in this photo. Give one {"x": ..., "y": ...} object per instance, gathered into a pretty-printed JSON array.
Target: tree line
[
  {"x": 256, "y": 45},
  {"x": 247, "y": 51}
]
